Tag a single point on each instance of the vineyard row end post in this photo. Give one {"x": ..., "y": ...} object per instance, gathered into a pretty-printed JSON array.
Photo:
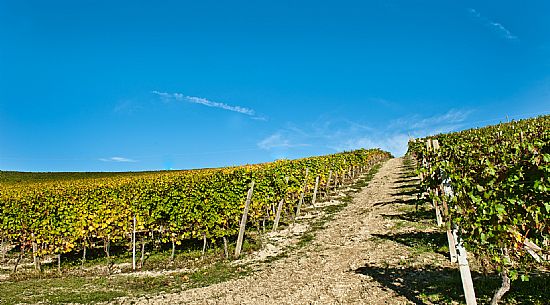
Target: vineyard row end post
[
  {"x": 243, "y": 221},
  {"x": 461, "y": 254},
  {"x": 315, "y": 191}
]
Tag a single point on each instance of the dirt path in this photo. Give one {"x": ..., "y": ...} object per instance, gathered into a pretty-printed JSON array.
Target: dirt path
[{"x": 347, "y": 263}]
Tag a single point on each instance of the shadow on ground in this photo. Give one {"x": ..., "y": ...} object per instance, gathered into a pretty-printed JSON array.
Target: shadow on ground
[
  {"x": 410, "y": 189},
  {"x": 435, "y": 284},
  {"x": 412, "y": 201},
  {"x": 406, "y": 186},
  {"x": 412, "y": 216},
  {"x": 408, "y": 179},
  {"x": 418, "y": 285},
  {"x": 441, "y": 285},
  {"x": 407, "y": 175},
  {"x": 427, "y": 241},
  {"x": 407, "y": 192}
]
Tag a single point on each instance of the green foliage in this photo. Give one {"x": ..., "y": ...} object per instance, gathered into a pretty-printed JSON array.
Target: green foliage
[
  {"x": 501, "y": 179},
  {"x": 67, "y": 214}
]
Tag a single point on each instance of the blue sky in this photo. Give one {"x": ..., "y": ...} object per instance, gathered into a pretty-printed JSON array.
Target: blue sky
[{"x": 148, "y": 85}]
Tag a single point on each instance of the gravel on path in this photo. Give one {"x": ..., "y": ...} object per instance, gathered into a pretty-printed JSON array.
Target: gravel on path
[{"x": 326, "y": 270}]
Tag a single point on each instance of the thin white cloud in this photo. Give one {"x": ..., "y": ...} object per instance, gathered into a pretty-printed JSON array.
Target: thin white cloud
[
  {"x": 495, "y": 26},
  {"x": 259, "y": 118},
  {"x": 343, "y": 134},
  {"x": 474, "y": 13},
  {"x": 205, "y": 102},
  {"x": 167, "y": 96},
  {"x": 416, "y": 122},
  {"x": 504, "y": 31},
  {"x": 277, "y": 140},
  {"x": 117, "y": 159},
  {"x": 274, "y": 140},
  {"x": 396, "y": 136},
  {"x": 394, "y": 143}
]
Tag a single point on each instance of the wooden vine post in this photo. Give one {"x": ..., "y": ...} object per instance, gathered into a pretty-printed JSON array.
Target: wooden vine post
[
  {"x": 3, "y": 250},
  {"x": 327, "y": 188},
  {"x": 120, "y": 198},
  {"x": 438, "y": 216},
  {"x": 464, "y": 267},
  {"x": 278, "y": 215},
  {"x": 203, "y": 244},
  {"x": 448, "y": 193},
  {"x": 134, "y": 245},
  {"x": 59, "y": 263},
  {"x": 279, "y": 209},
  {"x": 36, "y": 258},
  {"x": 431, "y": 146},
  {"x": 302, "y": 195},
  {"x": 456, "y": 246},
  {"x": 315, "y": 191},
  {"x": 546, "y": 243},
  {"x": 243, "y": 221}
]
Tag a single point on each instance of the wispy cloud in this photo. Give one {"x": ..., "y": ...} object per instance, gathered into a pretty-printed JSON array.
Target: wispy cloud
[
  {"x": 474, "y": 12},
  {"x": 343, "y": 134},
  {"x": 396, "y": 143},
  {"x": 396, "y": 136},
  {"x": 117, "y": 159},
  {"x": 205, "y": 102},
  {"x": 495, "y": 26},
  {"x": 417, "y": 122},
  {"x": 277, "y": 140},
  {"x": 500, "y": 28}
]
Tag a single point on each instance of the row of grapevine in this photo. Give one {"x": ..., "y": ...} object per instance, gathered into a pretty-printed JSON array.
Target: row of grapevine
[
  {"x": 55, "y": 217},
  {"x": 500, "y": 177}
]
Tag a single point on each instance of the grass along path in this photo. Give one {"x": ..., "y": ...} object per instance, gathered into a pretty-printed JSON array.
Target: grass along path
[
  {"x": 381, "y": 248},
  {"x": 95, "y": 284},
  {"x": 370, "y": 246},
  {"x": 333, "y": 267}
]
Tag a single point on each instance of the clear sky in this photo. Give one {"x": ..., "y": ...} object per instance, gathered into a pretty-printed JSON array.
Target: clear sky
[{"x": 148, "y": 85}]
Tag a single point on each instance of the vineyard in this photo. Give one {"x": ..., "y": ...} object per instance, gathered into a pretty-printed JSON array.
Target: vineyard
[
  {"x": 52, "y": 216},
  {"x": 491, "y": 187}
]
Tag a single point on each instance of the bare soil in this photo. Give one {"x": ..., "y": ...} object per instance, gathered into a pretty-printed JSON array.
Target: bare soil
[{"x": 360, "y": 257}]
